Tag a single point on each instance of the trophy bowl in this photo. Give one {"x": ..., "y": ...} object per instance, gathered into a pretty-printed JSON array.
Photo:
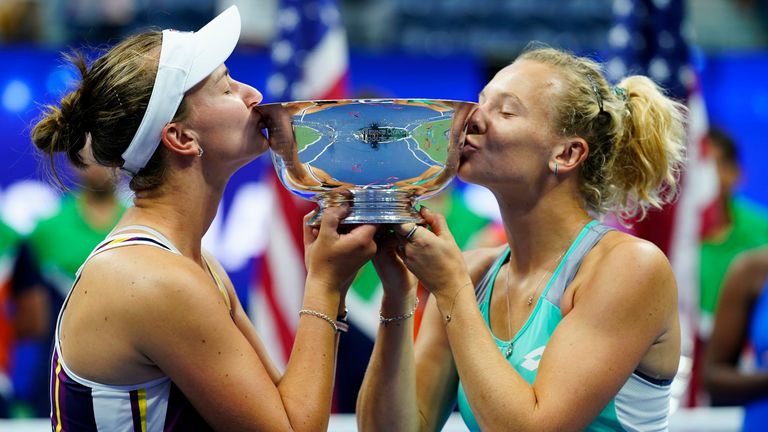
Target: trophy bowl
[{"x": 379, "y": 155}]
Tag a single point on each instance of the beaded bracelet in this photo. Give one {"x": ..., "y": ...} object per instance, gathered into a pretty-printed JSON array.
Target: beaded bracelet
[
  {"x": 322, "y": 316},
  {"x": 386, "y": 321}
]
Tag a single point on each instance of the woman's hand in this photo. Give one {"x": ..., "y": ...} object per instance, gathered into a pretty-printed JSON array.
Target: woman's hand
[
  {"x": 333, "y": 254},
  {"x": 433, "y": 256},
  {"x": 395, "y": 277}
]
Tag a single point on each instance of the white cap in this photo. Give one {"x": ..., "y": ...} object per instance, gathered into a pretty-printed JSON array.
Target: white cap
[{"x": 186, "y": 58}]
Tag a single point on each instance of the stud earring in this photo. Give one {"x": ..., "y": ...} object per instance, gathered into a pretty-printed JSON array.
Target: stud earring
[{"x": 199, "y": 152}]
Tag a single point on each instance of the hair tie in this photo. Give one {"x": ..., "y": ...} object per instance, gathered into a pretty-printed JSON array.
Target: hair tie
[{"x": 620, "y": 92}]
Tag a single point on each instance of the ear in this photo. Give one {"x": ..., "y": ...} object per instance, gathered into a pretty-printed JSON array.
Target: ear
[
  {"x": 180, "y": 140},
  {"x": 569, "y": 155}
]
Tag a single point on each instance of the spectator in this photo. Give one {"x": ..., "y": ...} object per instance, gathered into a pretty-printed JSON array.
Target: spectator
[
  {"x": 9, "y": 241},
  {"x": 56, "y": 249},
  {"x": 741, "y": 320},
  {"x": 734, "y": 225}
]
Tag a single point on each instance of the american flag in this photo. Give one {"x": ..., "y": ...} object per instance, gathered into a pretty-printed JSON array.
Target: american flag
[
  {"x": 310, "y": 61},
  {"x": 310, "y": 53},
  {"x": 647, "y": 39}
]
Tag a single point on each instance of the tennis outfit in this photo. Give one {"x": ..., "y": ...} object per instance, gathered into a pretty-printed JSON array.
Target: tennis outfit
[
  {"x": 78, "y": 404},
  {"x": 642, "y": 404}
]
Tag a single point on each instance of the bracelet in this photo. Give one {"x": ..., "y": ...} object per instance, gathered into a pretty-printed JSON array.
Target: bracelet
[
  {"x": 322, "y": 316},
  {"x": 453, "y": 303},
  {"x": 386, "y": 321}
]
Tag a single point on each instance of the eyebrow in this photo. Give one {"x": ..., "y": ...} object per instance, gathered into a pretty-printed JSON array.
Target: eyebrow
[
  {"x": 222, "y": 75},
  {"x": 514, "y": 98},
  {"x": 506, "y": 95}
]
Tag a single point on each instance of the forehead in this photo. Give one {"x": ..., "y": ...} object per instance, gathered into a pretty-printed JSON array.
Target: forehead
[{"x": 526, "y": 79}]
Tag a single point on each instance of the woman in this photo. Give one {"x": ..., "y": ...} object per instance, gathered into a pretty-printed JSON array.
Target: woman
[
  {"x": 577, "y": 324},
  {"x": 741, "y": 319},
  {"x": 152, "y": 336}
]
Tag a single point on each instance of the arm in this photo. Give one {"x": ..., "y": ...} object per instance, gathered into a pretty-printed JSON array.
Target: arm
[
  {"x": 31, "y": 300},
  {"x": 409, "y": 388},
  {"x": 741, "y": 287},
  {"x": 243, "y": 322},
  {"x": 214, "y": 363},
  {"x": 616, "y": 317},
  {"x": 387, "y": 398}
]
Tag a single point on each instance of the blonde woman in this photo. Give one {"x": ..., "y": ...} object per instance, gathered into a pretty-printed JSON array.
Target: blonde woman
[{"x": 571, "y": 325}]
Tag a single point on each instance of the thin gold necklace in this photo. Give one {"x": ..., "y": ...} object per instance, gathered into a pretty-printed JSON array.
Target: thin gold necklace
[{"x": 508, "y": 349}]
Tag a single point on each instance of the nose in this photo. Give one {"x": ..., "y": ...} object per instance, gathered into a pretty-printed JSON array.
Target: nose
[
  {"x": 476, "y": 125},
  {"x": 250, "y": 95}
]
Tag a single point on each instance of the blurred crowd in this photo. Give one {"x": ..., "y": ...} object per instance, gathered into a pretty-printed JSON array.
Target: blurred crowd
[{"x": 63, "y": 21}]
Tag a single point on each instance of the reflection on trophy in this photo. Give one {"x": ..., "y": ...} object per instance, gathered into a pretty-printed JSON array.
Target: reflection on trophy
[{"x": 379, "y": 155}]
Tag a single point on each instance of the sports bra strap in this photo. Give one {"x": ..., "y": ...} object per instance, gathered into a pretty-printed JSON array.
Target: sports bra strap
[
  {"x": 481, "y": 289},
  {"x": 147, "y": 230}
]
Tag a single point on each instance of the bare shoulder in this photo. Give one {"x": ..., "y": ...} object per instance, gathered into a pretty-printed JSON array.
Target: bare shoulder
[
  {"x": 619, "y": 249},
  {"x": 479, "y": 260},
  {"x": 630, "y": 266},
  {"x": 146, "y": 279},
  {"x": 754, "y": 262},
  {"x": 749, "y": 271}
]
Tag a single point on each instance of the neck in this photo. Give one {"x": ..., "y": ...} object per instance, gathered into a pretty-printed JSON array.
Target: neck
[
  {"x": 539, "y": 234},
  {"x": 182, "y": 209}
]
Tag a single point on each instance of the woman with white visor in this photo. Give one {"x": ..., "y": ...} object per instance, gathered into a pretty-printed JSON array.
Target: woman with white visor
[{"x": 152, "y": 336}]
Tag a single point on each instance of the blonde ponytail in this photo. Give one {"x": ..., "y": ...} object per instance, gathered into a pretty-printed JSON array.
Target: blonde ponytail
[{"x": 636, "y": 136}]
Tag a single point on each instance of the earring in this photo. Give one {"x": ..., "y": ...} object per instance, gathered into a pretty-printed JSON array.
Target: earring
[
  {"x": 199, "y": 152},
  {"x": 555, "y": 168}
]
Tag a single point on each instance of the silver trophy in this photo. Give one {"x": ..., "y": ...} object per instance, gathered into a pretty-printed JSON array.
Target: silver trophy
[{"x": 379, "y": 155}]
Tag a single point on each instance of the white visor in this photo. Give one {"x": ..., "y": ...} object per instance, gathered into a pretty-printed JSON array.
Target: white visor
[{"x": 186, "y": 58}]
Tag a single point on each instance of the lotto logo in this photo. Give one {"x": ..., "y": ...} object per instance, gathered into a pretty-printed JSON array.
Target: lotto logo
[{"x": 532, "y": 358}]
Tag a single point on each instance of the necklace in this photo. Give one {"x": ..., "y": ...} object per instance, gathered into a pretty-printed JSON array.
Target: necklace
[{"x": 509, "y": 348}]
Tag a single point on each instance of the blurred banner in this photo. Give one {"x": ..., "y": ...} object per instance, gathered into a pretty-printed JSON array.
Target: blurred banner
[{"x": 310, "y": 61}]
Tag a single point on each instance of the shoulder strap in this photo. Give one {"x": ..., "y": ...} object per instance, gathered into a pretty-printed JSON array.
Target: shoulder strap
[
  {"x": 572, "y": 262},
  {"x": 219, "y": 284},
  {"x": 150, "y": 233},
  {"x": 481, "y": 290}
]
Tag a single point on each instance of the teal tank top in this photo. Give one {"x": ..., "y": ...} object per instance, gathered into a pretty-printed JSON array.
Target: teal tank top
[{"x": 641, "y": 404}]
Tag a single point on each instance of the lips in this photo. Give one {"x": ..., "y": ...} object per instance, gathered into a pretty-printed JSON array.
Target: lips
[
  {"x": 469, "y": 147},
  {"x": 261, "y": 124}
]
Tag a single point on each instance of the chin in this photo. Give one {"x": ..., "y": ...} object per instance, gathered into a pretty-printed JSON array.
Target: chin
[{"x": 464, "y": 172}]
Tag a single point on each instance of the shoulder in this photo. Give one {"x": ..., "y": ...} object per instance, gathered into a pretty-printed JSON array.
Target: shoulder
[
  {"x": 749, "y": 271},
  {"x": 148, "y": 279},
  {"x": 622, "y": 266},
  {"x": 619, "y": 249},
  {"x": 480, "y": 260}
]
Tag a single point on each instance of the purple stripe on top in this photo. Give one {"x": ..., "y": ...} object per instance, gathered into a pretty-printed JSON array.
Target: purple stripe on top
[
  {"x": 54, "y": 364},
  {"x": 135, "y": 410},
  {"x": 181, "y": 415},
  {"x": 75, "y": 402}
]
